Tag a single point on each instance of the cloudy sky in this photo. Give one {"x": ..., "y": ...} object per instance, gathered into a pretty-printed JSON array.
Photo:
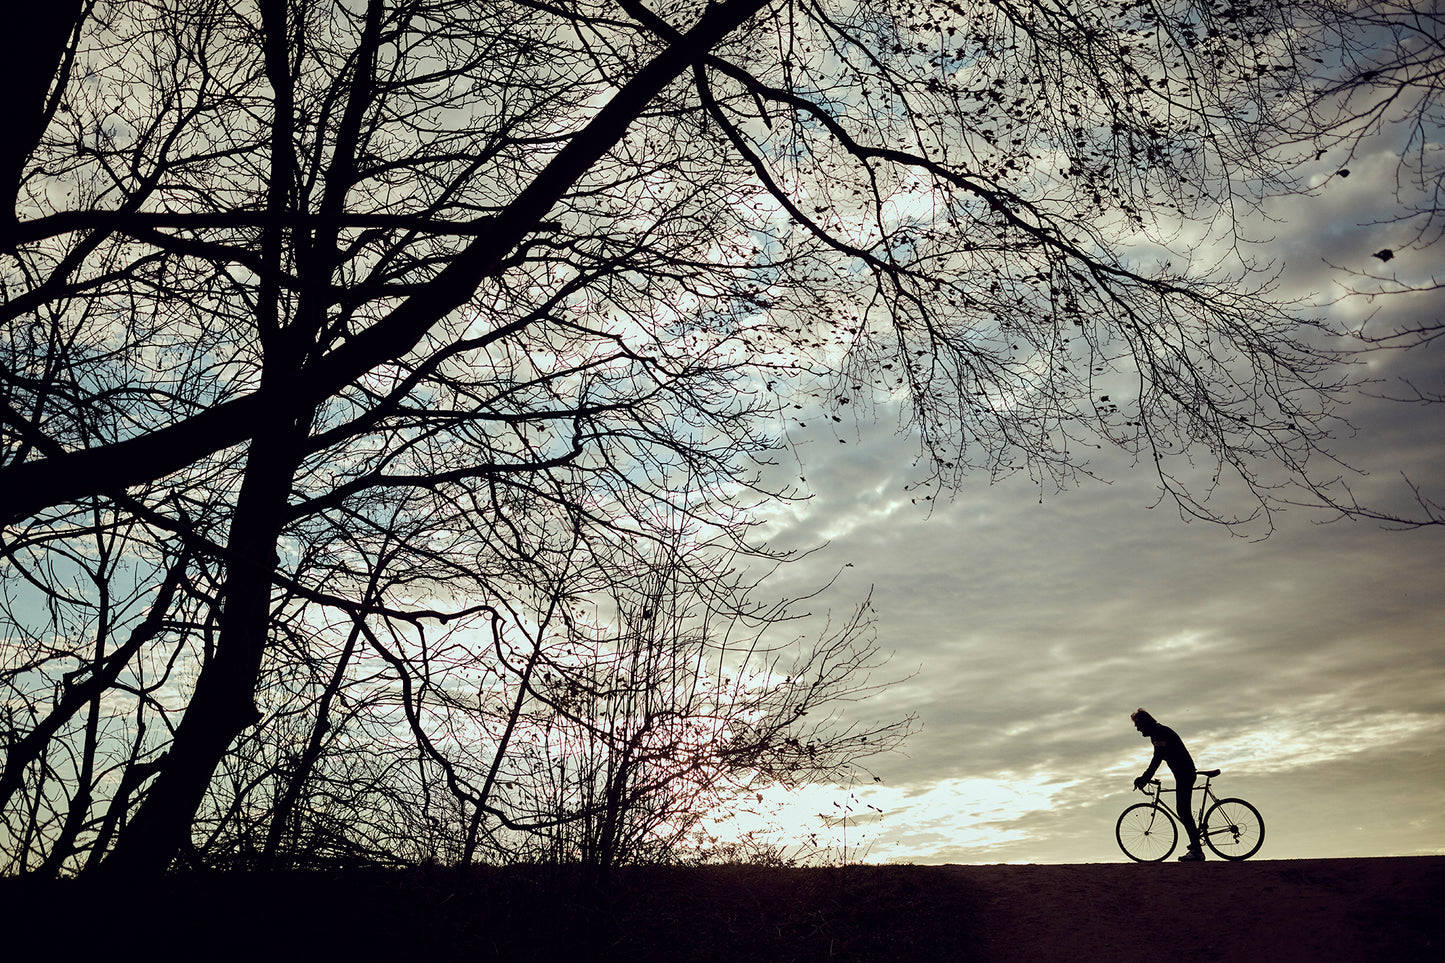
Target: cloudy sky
[{"x": 1309, "y": 666}]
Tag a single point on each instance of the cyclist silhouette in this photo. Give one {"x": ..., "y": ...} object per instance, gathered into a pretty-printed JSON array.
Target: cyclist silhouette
[{"x": 1169, "y": 749}]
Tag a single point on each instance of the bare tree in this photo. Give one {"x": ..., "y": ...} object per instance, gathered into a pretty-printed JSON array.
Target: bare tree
[
  {"x": 291, "y": 282},
  {"x": 685, "y": 702}
]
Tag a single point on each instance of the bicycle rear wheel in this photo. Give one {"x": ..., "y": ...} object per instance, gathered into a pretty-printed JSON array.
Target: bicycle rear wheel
[
  {"x": 1146, "y": 833},
  {"x": 1233, "y": 828}
]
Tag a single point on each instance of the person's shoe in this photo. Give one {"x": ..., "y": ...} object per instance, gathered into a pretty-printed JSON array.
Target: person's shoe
[{"x": 1192, "y": 855}]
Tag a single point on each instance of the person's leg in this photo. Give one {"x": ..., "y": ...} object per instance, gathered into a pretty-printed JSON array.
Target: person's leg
[{"x": 1183, "y": 803}]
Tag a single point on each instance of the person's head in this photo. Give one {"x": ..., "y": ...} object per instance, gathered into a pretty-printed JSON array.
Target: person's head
[{"x": 1143, "y": 721}]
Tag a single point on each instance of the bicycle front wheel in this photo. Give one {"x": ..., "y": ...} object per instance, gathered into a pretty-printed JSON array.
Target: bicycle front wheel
[
  {"x": 1146, "y": 833},
  {"x": 1233, "y": 828}
]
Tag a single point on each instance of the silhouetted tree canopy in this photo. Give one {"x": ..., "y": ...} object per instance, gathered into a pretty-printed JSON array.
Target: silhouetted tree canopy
[{"x": 348, "y": 344}]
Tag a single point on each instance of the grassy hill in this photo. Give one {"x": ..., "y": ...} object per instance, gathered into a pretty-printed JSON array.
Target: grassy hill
[{"x": 1261, "y": 910}]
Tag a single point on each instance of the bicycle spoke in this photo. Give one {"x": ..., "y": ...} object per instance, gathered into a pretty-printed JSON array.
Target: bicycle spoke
[
  {"x": 1233, "y": 829},
  {"x": 1146, "y": 833}
]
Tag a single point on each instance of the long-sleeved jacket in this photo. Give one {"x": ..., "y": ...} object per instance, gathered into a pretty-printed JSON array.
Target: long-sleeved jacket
[{"x": 1169, "y": 748}]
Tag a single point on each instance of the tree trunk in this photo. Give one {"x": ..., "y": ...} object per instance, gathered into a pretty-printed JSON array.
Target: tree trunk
[
  {"x": 224, "y": 700},
  {"x": 36, "y": 54}
]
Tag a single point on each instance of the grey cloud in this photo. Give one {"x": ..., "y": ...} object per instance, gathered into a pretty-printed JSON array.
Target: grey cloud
[
  {"x": 1036, "y": 628},
  {"x": 1310, "y": 665}
]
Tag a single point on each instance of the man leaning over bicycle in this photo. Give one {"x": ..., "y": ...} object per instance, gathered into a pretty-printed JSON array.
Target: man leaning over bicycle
[{"x": 1169, "y": 749}]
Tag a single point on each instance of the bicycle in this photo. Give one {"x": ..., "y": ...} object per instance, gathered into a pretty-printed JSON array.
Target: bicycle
[{"x": 1148, "y": 832}]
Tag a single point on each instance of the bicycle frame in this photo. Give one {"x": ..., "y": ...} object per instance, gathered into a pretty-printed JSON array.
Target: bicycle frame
[{"x": 1205, "y": 799}]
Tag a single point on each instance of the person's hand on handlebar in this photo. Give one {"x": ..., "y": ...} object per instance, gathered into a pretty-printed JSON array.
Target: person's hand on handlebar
[{"x": 1141, "y": 782}]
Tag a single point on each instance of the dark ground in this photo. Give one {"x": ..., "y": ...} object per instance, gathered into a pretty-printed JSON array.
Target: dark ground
[{"x": 1388, "y": 909}]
